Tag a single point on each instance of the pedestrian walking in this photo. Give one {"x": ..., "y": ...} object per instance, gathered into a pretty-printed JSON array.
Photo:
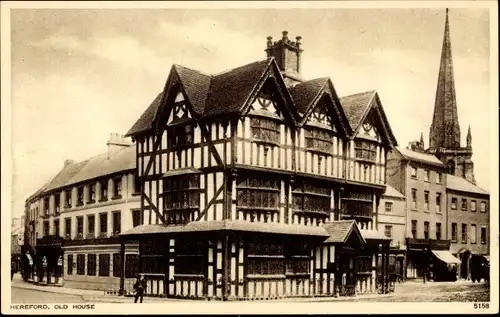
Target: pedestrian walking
[
  {"x": 139, "y": 287},
  {"x": 12, "y": 269}
]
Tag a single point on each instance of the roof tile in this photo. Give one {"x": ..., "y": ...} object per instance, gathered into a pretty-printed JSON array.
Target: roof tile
[
  {"x": 303, "y": 94},
  {"x": 461, "y": 184},
  {"x": 355, "y": 106}
]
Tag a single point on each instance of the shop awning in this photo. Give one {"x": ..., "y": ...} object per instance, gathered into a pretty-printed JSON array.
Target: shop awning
[{"x": 446, "y": 256}]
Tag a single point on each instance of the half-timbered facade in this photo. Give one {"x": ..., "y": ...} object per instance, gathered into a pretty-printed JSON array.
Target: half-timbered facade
[{"x": 258, "y": 184}]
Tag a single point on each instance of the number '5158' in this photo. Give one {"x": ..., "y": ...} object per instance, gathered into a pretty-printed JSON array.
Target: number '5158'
[{"x": 481, "y": 305}]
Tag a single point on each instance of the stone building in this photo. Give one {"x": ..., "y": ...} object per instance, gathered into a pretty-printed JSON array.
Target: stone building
[
  {"x": 444, "y": 136},
  {"x": 74, "y": 221},
  {"x": 260, "y": 184}
]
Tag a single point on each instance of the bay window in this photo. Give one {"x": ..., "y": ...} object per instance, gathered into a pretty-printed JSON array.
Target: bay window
[
  {"x": 258, "y": 194},
  {"x": 309, "y": 197}
]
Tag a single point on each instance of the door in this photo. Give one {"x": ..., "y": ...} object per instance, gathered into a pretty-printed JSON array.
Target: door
[{"x": 347, "y": 274}]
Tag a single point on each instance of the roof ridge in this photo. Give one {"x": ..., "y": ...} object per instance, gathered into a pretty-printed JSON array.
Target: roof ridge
[
  {"x": 373, "y": 91},
  {"x": 232, "y": 69},
  {"x": 192, "y": 69}
]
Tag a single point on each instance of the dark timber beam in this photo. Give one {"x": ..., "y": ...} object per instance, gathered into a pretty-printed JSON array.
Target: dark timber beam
[
  {"x": 210, "y": 203},
  {"x": 155, "y": 209}
]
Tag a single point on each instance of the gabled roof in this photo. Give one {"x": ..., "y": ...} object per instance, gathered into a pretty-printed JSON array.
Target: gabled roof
[
  {"x": 340, "y": 230},
  {"x": 65, "y": 175},
  {"x": 420, "y": 157},
  {"x": 392, "y": 192},
  {"x": 358, "y": 106},
  {"x": 303, "y": 94},
  {"x": 196, "y": 85},
  {"x": 463, "y": 185},
  {"x": 145, "y": 121},
  {"x": 38, "y": 192}
]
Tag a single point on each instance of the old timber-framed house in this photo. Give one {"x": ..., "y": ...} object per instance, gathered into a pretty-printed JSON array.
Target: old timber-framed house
[{"x": 258, "y": 184}]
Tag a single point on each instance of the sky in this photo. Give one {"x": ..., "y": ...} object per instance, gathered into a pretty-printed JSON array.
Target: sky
[{"x": 79, "y": 75}]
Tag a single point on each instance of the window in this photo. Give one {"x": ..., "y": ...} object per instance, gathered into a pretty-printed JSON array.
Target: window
[
  {"x": 427, "y": 176},
  {"x": 181, "y": 193},
  {"x": 413, "y": 198},
  {"x": 413, "y": 172},
  {"x": 103, "y": 264},
  {"x": 117, "y": 222},
  {"x": 388, "y": 231},
  {"x": 365, "y": 150},
  {"x": 189, "y": 256},
  {"x": 91, "y": 264},
  {"x": 464, "y": 204},
  {"x": 137, "y": 217},
  {"x": 70, "y": 264},
  {"x": 46, "y": 206},
  {"x": 473, "y": 234},
  {"x": 79, "y": 201},
  {"x": 265, "y": 258},
  {"x": 438, "y": 202},
  {"x": 319, "y": 140},
  {"x": 426, "y": 229},
  {"x": 117, "y": 187},
  {"x": 103, "y": 224},
  {"x": 131, "y": 265},
  {"x": 92, "y": 193},
  {"x": 414, "y": 229},
  {"x": 438, "y": 231},
  {"x": 137, "y": 184},
  {"x": 473, "y": 205},
  {"x": 464, "y": 233},
  {"x": 80, "y": 264},
  {"x": 453, "y": 203},
  {"x": 56, "y": 227},
  {"x": 483, "y": 235},
  {"x": 483, "y": 206},
  {"x": 388, "y": 206},
  {"x": 265, "y": 130},
  {"x": 309, "y": 197},
  {"x": 426, "y": 200},
  {"x": 438, "y": 178},
  {"x": 454, "y": 234},
  {"x": 46, "y": 228},
  {"x": 67, "y": 228},
  {"x": 104, "y": 190},
  {"x": 79, "y": 227},
  {"x": 259, "y": 194},
  {"x": 91, "y": 226},
  {"x": 179, "y": 136},
  {"x": 117, "y": 265},
  {"x": 67, "y": 197},
  {"x": 57, "y": 203}
]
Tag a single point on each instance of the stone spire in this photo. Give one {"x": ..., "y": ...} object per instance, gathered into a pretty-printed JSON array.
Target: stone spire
[
  {"x": 422, "y": 140},
  {"x": 469, "y": 138},
  {"x": 445, "y": 129}
]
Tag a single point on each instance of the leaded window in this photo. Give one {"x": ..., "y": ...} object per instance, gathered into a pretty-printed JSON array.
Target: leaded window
[
  {"x": 180, "y": 136},
  {"x": 265, "y": 258},
  {"x": 365, "y": 150},
  {"x": 311, "y": 197},
  {"x": 258, "y": 193},
  {"x": 182, "y": 192},
  {"x": 189, "y": 258},
  {"x": 319, "y": 140},
  {"x": 265, "y": 130}
]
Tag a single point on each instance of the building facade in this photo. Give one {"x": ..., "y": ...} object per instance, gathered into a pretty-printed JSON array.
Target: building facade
[
  {"x": 392, "y": 221},
  {"x": 468, "y": 225},
  {"x": 258, "y": 184},
  {"x": 75, "y": 219},
  {"x": 422, "y": 179}
]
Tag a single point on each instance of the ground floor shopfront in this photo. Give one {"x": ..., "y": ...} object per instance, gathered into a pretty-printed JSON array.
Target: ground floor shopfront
[{"x": 231, "y": 260}]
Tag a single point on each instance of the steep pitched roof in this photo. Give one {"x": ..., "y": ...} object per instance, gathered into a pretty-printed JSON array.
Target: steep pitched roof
[
  {"x": 65, "y": 175},
  {"x": 196, "y": 85},
  {"x": 461, "y": 184},
  {"x": 340, "y": 230},
  {"x": 230, "y": 90},
  {"x": 419, "y": 157},
  {"x": 393, "y": 192},
  {"x": 145, "y": 121},
  {"x": 303, "y": 94},
  {"x": 355, "y": 106},
  {"x": 121, "y": 160}
]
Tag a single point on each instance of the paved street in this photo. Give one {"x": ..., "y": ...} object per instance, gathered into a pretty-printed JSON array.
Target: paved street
[{"x": 407, "y": 292}]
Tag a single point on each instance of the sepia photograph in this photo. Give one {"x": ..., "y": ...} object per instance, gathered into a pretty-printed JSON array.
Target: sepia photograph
[{"x": 288, "y": 157}]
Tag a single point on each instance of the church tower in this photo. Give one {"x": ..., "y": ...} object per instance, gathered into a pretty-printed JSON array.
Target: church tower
[{"x": 444, "y": 136}]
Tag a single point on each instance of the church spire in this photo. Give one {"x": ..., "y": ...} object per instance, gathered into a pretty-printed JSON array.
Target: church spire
[
  {"x": 445, "y": 129},
  {"x": 422, "y": 140},
  {"x": 469, "y": 138}
]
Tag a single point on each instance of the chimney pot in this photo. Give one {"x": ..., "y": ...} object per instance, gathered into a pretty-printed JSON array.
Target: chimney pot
[{"x": 285, "y": 36}]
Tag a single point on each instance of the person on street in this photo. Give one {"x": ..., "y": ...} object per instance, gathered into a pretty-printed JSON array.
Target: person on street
[
  {"x": 12, "y": 269},
  {"x": 139, "y": 287}
]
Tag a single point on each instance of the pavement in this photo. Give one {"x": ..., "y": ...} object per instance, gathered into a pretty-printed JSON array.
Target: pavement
[{"x": 408, "y": 291}]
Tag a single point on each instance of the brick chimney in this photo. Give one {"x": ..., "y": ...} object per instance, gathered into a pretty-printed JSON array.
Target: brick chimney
[
  {"x": 117, "y": 142},
  {"x": 68, "y": 162},
  {"x": 287, "y": 55}
]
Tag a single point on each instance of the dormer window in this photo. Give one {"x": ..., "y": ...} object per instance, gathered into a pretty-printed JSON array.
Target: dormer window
[
  {"x": 366, "y": 151},
  {"x": 319, "y": 140},
  {"x": 265, "y": 130}
]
